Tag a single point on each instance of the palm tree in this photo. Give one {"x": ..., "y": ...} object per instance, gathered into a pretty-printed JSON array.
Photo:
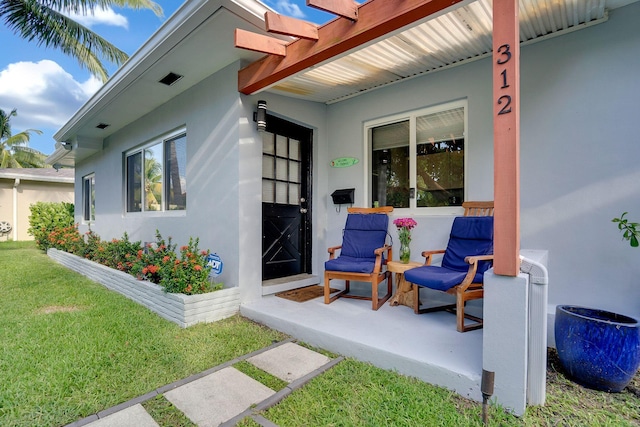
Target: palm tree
[
  {"x": 152, "y": 180},
  {"x": 43, "y": 21},
  {"x": 13, "y": 153}
]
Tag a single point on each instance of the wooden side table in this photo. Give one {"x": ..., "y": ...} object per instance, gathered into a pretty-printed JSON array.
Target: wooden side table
[{"x": 404, "y": 289}]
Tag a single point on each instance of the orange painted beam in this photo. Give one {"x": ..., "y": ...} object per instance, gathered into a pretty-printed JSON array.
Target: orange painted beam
[
  {"x": 375, "y": 19},
  {"x": 259, "y": 43},
  {"x": 506, "y": 137},
  {"x": 279, "y": 24},
  {"x": 345, "y": 8}
]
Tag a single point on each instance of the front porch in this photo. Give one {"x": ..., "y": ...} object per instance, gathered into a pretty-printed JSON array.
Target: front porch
[{"x": 424, "y": 346}]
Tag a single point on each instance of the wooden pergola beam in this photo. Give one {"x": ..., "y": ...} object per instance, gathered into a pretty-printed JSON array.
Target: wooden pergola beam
[
  {"x": 345, "y": 8},
  {"x": 375, "y": 19},
  {"x": 259, "y": 43},
  {"x": 279, "y": 24}
]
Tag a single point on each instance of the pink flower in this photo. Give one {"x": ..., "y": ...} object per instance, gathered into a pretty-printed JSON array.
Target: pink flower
[{"x": 407, "y": 223}]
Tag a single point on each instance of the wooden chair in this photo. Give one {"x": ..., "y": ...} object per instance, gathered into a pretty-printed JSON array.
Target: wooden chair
[
  {"x": 363, "y": 255},
  {"x": 478, "y": 208},
  {"x": 468, "y": 255}
]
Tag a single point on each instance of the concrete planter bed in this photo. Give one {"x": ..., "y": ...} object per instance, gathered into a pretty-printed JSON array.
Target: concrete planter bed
[{"x": 184, "y": 310}]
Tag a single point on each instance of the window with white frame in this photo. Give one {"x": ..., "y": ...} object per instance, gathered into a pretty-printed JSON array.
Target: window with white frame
[
  {"x": 418, "y": 158},
  {"x": 89, "y": 198},
  {"x": 155, "y": 175}
]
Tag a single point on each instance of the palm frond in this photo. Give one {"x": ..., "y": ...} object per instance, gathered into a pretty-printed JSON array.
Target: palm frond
[
  {"x": 21, "y": 138},
  {"x": 87, "y": 6},
  {"x": 5, "y": 125},
  {"x": 30, "y": 158},
  {"x": 41, "y": 21}
]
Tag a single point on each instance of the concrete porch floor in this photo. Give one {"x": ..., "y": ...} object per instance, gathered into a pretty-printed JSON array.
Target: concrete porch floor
[{"x": 425, "y": 346}]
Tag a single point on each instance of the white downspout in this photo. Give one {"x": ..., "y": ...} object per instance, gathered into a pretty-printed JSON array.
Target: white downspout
[
  {"x": 537, "y": 352},
  {"x": 15, "y": 209}
]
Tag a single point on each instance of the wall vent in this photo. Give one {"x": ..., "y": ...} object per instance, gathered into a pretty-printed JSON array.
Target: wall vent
[{"x": 170, "y": 79}]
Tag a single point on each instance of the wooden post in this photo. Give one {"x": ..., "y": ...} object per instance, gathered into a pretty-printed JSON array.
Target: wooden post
[{"x": 506, "y": 136}]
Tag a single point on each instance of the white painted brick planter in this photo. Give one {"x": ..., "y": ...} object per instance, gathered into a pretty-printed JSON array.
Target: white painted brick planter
[{"x": 185, "y": 310}]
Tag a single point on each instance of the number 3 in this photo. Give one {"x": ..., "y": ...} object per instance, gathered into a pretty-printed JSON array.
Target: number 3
[{"x": 504, "y": 50}]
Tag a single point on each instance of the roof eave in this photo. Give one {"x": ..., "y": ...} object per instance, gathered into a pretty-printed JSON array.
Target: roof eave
[{"x": 185, "y": 19}]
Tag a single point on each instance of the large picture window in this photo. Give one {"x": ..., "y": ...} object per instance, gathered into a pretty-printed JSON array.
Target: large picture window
[
  {"x": 89, "y": 198},
  {"x": 417, "y": 159},
  {"x": 156, "y": 175}
]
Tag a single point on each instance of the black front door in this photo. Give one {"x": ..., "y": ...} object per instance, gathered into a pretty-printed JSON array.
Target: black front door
[{"x": 286, "y": 199}]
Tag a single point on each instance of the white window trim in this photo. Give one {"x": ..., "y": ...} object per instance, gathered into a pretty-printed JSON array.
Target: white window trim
[
  {"x": 139, "y": 149},
  {"x": 411, "y": 116},
  {"x": 84, "y": 180}
]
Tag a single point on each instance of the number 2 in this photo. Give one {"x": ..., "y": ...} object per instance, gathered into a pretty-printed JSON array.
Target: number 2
[{"x": 506, "y": 109}]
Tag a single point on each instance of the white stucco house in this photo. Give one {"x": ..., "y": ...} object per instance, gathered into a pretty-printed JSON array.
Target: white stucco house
[{"x": 412, "y": 108}]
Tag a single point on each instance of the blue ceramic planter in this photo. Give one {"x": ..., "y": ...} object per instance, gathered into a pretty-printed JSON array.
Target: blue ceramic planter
[{"x": 597, "y": 348}]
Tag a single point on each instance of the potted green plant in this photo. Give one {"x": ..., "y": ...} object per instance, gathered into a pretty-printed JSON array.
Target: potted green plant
[
  {"x": 598, "y": 348},
  {"x": 629, "y": 229}
]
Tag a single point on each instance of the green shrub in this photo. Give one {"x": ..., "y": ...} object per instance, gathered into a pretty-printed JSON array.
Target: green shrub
[{"x": 46, "y": 217}]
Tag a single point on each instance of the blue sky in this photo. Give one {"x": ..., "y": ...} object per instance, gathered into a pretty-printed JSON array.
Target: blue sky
[{"x": 47, "y": 87}]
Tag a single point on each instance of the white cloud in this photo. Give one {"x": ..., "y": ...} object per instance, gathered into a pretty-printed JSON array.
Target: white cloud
[
  {"x": 44, "y": 94},
  {"x": 100, "y": 16},
  {"x": 287, "y": 7}
]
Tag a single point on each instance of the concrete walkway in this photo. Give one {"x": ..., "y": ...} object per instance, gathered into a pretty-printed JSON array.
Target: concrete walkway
[{"x": 222, "y": 396}]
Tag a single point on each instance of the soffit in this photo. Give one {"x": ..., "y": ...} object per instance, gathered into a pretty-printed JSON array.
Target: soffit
[
  {"x": 195, "y": 42},
  {"x": 460, "y": 35}
]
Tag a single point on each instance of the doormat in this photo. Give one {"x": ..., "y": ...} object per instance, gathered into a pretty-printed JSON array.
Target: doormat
[{"x": 304, "y": 294}]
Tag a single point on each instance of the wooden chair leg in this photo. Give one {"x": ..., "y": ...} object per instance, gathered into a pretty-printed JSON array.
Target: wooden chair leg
[
  {"x": 460, "y": 313},
  {"x": 374, "y": 294},
  {"x": 416, "y": 298},
  {"x": 327, "y": 290}
]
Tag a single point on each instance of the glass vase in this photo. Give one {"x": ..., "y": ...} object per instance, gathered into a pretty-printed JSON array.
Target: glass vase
[{"x": 405, "y": 252}]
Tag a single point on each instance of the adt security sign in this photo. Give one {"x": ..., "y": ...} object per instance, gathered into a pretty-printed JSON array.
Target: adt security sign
[{"x": 214, "y": 261}]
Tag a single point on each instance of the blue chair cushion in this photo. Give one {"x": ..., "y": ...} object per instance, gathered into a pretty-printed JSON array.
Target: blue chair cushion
[
  {"x": 439, "y": 278},
  {"x": 350, "y": 264},
  {"x": 363, "y": 234},
  {"x": 470, "y": 235}
]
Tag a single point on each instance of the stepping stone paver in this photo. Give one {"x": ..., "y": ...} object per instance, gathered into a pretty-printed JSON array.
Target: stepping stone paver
[
  {"x": 218, "y": 397},
  {"x": 133, "y": 416},
  {"x": 289, "y": 361}
]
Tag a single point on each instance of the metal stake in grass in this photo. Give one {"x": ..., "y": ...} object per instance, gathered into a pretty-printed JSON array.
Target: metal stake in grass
[{"x": 486, "y": 387}]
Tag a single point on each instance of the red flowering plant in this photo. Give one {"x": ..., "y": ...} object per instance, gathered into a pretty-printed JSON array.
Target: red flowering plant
[
  {"x": 66, "y": 239},
  {"x": 121, "y": 254},
  {"x": 185, "y": 273},
  {"x": 405, "y": 225},
  {"x": 150, "y": 259},
  {"x": 188, "y": 274}
]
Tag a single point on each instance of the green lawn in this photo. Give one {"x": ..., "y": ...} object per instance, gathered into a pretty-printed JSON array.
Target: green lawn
[{"x": 70, "y": 348}]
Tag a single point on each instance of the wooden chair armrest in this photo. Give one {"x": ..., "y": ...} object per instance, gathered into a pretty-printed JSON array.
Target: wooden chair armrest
[
  {"x": 332, "y": 251},
  {"x": 382, "y": 250},
  {"x": 378, "y": 266},
  {"x": 428, "y": 255},
  {"x": 473, "y": 269},
  {"x": 475, "y": 258}
]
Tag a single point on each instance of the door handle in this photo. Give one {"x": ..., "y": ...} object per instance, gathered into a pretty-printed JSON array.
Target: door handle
[{"x": 303, "y": 210}]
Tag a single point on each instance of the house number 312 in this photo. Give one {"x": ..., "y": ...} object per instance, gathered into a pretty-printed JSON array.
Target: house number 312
[{"x": 505, "y": 56}]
